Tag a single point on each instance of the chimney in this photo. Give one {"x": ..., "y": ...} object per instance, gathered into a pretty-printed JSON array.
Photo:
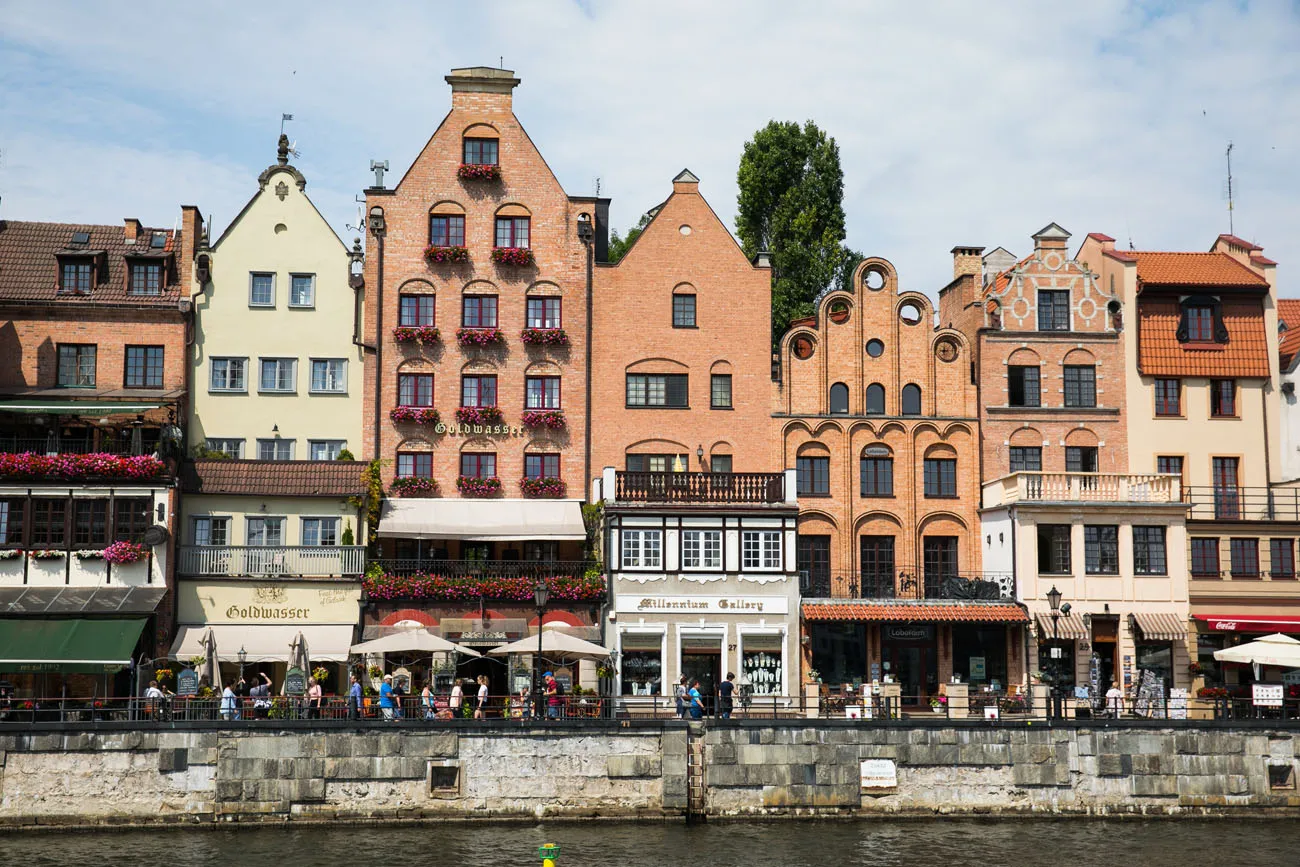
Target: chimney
[
  {"x": 1106, "y": 241},
  {"x": 1050, "y": 237},
  {"x": 132, "y": 230},
  {"x": 481, "y": 87},
  {"x": 967, "y": 260},
  {"x": 686, "y": 182},
  {"x": 191, "y": 228}
]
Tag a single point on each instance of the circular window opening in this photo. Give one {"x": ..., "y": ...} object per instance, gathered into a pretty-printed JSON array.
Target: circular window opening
[
  {"x": 875, "y": 279},
  {"x": 684, "y": 229},
  {"x": 875, "y": 348},
  {"x": 281, "y": 227},
  {"x": 839, "y": 312},
  {"x": 909, "y": 313},
  {"x": 803, "y": 347}
]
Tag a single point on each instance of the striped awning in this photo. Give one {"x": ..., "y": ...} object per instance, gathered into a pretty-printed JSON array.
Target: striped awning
[
  {"x": 1161, "y": 626},
  {"x": 1068, "y": 626}
]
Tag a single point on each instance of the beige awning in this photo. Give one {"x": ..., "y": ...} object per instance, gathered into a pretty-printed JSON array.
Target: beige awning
[
  {"x": 483, "y": 520},
  {"x": 327, "y": 642},
  {"x": 411, "y": 641},
  {"x": 556, "y": 643},
  {"x": 1068, "y": 626},
  {"x": 1161, "y": 626}
]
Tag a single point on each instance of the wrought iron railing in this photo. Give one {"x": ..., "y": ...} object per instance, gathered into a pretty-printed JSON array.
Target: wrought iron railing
[
  {"x": 271, "y": 561},
  {"x": 907, "y": 583},
  {"x": 14, "y": 445},
  {"x": 483, "y": 568},
  {"x": 636, "y": 487},
  {"x": 1234, "y": 503}
]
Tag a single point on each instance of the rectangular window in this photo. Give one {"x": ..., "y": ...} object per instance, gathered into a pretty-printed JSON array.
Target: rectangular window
[
  {"x": 656, "y": 463},
  {"x": 1170, "y": 464},
  {"x": 541, "y": 466},
  {"x": 1168, "y": 397},
  {"x": 302, "y": 290},
  {"x": 89, "y": 523},
  {"x": 1023, "y": 386},
  {"x": 642, "y": 549},
  {"x": 77, "y": 277},
  {"x": 265, "y": 532},
  {"x": 940, "y": 475},
  {"x": 211, "y": 531},
  {"x": 478, "y": 466},
  {"x": 1244, "y": 554},
  {"x": 1149, "y": 551},
  {"x": 415, "y": 311},
  {"x": 479, "y": 311},
  {"x": 1054, "y": 549},
  {"x": 325, "y": 450},
  {"x": 1200, "y": 324},
  {"x": 329, "y": 376},
  {"x": 1081, "y": 459},
  {"x": 1223, "y": 398},
  {"x": 1080, "y": 385},
  {"x": 49, "y": 523},
  {"x": 131, "y": 516},
  {"x": 144, "y": 367},
  {"x": 447, "y": 230},
  {"x": 760, "y": 549},
  {"x": 1053, "y": 310},
  {"x": 720, "y": 463},
  {"x": 478, "y": 391},
  {"x": 665, "y": 390},
  {"x": 11, "y": 521},
  {"x": 1281, "y": 558},
  {"x": 228, "y": 374},
  {"x": 278, "y": 375},
  {"x": 1026, "y": 459},
  {"x": 1101, "y": 549},
  {"x": 683, "y": 311},
  {"x": 481, "y": 151},
  {"x": 1205, "y": 558},
  {"x": 76, "y": 365},
  {"x": 1227, "y": 496},
  {"x": 876, "y": 557},
  {"x": 813, "y": 476},
  {"x": 542, "y": 392},
  {"x": 225, "y": 445},
  {"x": 276, "y": 449},
  {"x": 320, "y": 531},
  {"x": 146, "y": 278},
  {"x": 417, "y": 465},
  {"x": 720, "y": 391},
  {"x": 939, "y": 562},
  {"x": 415, "y": 389},
  {"x": 701, "y": 549},
  {"x": 261, "y": 290},
  {"x": 543, "y": 312},
  {"x": 877, "y": 477},
  {"x": 512, "y": 232}
]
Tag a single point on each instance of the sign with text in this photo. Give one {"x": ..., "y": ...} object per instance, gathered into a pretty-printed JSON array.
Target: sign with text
[
  {"x": 977, "y": 671},
  {"x": 200, "y": 602},
  {"x": 879, "y": 774},
  {"x": 909, "y": 633},
  {"x": 634, "y": 604},
  {"x": 1266, "y": 694},
  {"x": 295, "y": 682},
  {"x": 187, "y": 682}
]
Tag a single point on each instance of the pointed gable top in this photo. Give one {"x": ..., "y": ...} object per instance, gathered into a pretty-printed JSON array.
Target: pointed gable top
[
  {"x": 686, "y": 176},
  {"x": 1051, "y": 232}
]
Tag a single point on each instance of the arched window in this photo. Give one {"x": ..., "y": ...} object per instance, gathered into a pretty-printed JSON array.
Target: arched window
[
  {"x": 875, "y": 399},
  {"x": 911, "y": 399},
  {"x": 839, "y": 399}
]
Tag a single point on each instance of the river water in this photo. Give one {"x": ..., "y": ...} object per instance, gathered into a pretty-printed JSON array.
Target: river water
[{"x": 883, "y": 842}]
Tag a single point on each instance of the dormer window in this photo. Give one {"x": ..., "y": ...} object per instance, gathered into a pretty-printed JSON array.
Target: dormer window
[
  {"x": 1200, "y": 321},
  {"x": 1200, "y": 324},
  {"x": 481, "y": 152},
  {"x": 78, "y": 276},
  {"x": 146, "y": 278}
]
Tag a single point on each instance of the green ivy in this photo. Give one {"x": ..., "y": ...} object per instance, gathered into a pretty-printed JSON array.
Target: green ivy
[{"x": 371, "y": 500}]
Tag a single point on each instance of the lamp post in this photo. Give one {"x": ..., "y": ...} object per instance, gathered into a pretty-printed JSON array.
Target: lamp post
[
  {"x": 1054, "y": 600},
  {"x": 242, "y": 656},
  {"x": 541, "y": 595}
]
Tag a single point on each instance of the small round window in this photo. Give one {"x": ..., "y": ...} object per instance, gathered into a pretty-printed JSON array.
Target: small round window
[
  {"x": 909, "y": 313},
  {"x": 803, "y": 347},
  {"x": 839, "y": 312},
  {"x": 875, "y": 348},
  {"x": 684, "y": 229},
  {"x": 875, "y": 279}
]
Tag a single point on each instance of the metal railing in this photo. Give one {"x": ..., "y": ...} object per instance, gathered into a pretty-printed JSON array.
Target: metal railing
[
  {"x": 484, "y": 568},
  {"x": 1083, "y": 487},
  {"x": 16, "y": 445},
  {"x": 905, "y": 583},
  {"x": 270, "y": 561},
  {"x": 1232, "y": 503},
  {"x": 639, "y": 487}
]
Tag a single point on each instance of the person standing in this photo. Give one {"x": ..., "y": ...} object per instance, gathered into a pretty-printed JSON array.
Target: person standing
[
  {"x": 480, "y": 706},
  {"x": 552, "y": 696},
  {"x": 696, "y": 701},
  {"x": 153, "y": 700},
  {"x": 229, "y": 704},
  {"x": 261, "y": 695},
  {"x": 386, "y": 706},
  {"x": 314, "y": 696},
  {"x": 426, "y": 700},
  {"x": 457, "y": 699},
  {"x": 680, "y": 693},
  {"x": 1114, "y": 700},
  {"x": 725, "y": 689},
  {"x": 354, "y": 699}
]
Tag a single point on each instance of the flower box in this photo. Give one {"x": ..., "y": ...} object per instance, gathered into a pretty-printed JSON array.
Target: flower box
[
  {"x": 479, "y": 336},
  {"x": 89, "y": 554},
  {"x": 414, "y": 333},
  {"x": 548, "y": 418},
  {"x": 11, "y": 554},
  {"x": 415, "y": 414},
  {"x": 35, "y": 467},
  {"x": 47, "y": 554},
  {"x": 476, "y": 172},
  {"x": 542, "y": 487},
  {"x": 413, "y": 486},
  {"x": 122, "y": 553},
  {"x": 479, "y": 415},
  {"x": 464, "y": 588},
  {"x": 544, "y": 337},
  {"x": 472, "y": 486},
  {"x": 522, "y": 256},
  {"x": 435, "y": 255}
]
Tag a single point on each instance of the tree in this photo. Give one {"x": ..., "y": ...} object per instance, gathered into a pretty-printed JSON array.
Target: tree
[
  {"x": 618, "y": 246},
  {"x": 791, "y": 203}
]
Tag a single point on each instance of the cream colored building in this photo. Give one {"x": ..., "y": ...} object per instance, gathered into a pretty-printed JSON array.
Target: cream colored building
[{"x": 277, "y": 372}]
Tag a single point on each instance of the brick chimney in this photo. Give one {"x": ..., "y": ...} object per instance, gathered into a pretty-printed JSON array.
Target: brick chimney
[
  {"x": 191, "y": 228},
  {"x": 482, "y": 87},
  {"x": 967, "y": 260},
  {"x": 1050, "y": 237},
  {"x": 132, "y": 230},
  {"x": 686, "y": 182}
]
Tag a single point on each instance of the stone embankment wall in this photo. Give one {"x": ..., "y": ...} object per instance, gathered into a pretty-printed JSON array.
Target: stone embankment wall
[{"x": 635, "y": 771}]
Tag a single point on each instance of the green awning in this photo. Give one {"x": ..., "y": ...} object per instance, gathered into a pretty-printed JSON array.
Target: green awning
[
  {"x": 76, "y": 407},
  {"x": 68, "y": 644}
]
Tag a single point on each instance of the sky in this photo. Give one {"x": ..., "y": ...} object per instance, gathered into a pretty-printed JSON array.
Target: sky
[{"x": 958, "y": 123}]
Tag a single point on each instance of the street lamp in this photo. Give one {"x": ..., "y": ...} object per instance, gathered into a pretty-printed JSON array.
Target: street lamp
[
  {"x": 242, "y": 656},
  {"x": 541, "y": 595},
  {"x": 1054, "y": 600}
]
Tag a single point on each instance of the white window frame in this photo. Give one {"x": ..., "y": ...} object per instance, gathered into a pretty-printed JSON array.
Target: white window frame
[
  {"x": 248, "y": 530},
  {"x": 743, "y": 631},
  {"x": 216, "y": 444},
  {"x": 227, "y": 388},
  {"x": 320, "y": 522},
  {"x": 293, "y": 374},
  {"x": 210, "y": 520},
  {"x": 275, "y": 442},
  {"x": 311, "y": 292},
  {"x": 662, "y": 634},
  {"x": 341, "y": 380},
  {"x": 700, "y": 541},
  {"x": 757, "y": 551},
  {"x": 635, "y": 548},
  {"x": 255, "y": 274},
  {"x": 333, "y": 447}
]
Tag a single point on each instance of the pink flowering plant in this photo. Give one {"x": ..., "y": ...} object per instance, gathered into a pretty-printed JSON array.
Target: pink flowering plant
[
  {"x": 95, "y": 465},
  {"x": 521, "y": 256},
  {"x": 548, "y": 418},
  {"x": 465, "y": 588},
  {"x": 473, "y": 486},
  {"x": 415, "y": 414},
  {"x": 544, "y": 337},
  {"x": 122, "y": 553},
  {"x": 414, "y": 333},
  {"x": 436, "y": 255},
  {"x": 413, "y": 486},
  {"x": 479, "y": 415},
  {"x": 547, "y": 487},
  {"x": 479, "y": 336},
  {"x": 475, "y": 172}
]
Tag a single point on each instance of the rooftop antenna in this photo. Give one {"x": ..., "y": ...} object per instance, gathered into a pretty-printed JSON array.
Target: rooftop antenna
[
  {"x": 501, "y": 61},
  {"x": 597, "y": 187},
  {"x": 1231, "y": 230}
]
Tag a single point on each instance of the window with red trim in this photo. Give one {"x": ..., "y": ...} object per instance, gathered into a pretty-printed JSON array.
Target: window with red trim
[
  {"x": 415, "y": 311},
  {"x": 1200, "y": 324},
  {"x": 1223, "y": 398},
  {"x": 1168, "y": 392},
  {"x": 543, "y": 312},
  {"x": 512, "y": 232},
  {"x": 479, "y": 311},
  {"x": 447, "y": 230},
  {"x": 414, "y": 465},
  {"x": 478, "y": 391},
  {"x": 415, "y": 389},
  {"x": 481, "y": 151},
  {"x": 541, "y": 466},
  {"x": 542, "y": 392},
  {"x": 478, "y": 465}
]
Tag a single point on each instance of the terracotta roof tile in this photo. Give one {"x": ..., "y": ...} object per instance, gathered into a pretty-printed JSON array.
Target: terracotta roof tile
[
  {"x": 1194, "y": 269},
  {"x": 1239, "y": 242},
  {"x": 1098, "y": 236},
  {"x": 29, "y": 267},
  {"x": 1288, "y": 312},
  {"x": 1262, "y": 261},
  {"x": 922, "y": 612},
  {"x": 1121, "y": 255},
  {"x": 1160, "y": 354},
  {"x": 278, "y": 478}
]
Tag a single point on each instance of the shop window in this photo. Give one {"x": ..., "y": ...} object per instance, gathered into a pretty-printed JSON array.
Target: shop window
[
  {"x": 1023, "y": 385},
  {"x": 839, "y": 651},
  {"x": 1054, "y": 549},
  {"x": 1206, "y": 645},
  {"x": 1205, "y": 558},
  {"x": 641, "y": 664},
  {"x": 761, "y": 667},
  {"x": 1101, "y": 549},
  {"x": 1060, "y": 668},
  {"x": 1158, "y": 659},
  {"x": 1244, "y": 556},
  {"x": 813, "y": 476},
  {"x": 1149, "y": 551},
  {"x": 979, "y": 654}
]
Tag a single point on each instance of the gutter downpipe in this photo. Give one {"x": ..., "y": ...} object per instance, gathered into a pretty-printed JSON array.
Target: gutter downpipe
[{"x": 379, "y": 338}]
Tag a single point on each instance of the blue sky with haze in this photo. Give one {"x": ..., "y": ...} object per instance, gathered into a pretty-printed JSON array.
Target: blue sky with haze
[{"x": 958, "y": 123}]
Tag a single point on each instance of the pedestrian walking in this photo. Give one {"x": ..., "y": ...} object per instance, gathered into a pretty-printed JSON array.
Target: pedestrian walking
[
  {"x": 229, "y": 704},
  {"x": 725, "y": 690},
  {"x": 696, "y": 701},
  {"x": 553, "y": 696},
  {"x": 261, "y": 695},
  {"x": 354, "y": 699},
  {"x": 457, "y": 699},
  {"x": 386, "y": 706},
  {"x": 680, "y": 693},
  {"x": 314, "y": 696},
  {"x": 480, "y": 706},
  {"x": 426, "y": 701}
]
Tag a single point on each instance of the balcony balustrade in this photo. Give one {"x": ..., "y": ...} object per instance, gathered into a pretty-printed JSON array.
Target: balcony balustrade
[
  {"x": 484, "y": 568},
  {"x": 1233, "y": 503},
  {"x": 688, "y": 488},
  {"x": 272, "y": 561},
  {"x": 909, "y": 584},
  {"x": 121, "y": 446},
  {"x": 1032, "y": 487}
]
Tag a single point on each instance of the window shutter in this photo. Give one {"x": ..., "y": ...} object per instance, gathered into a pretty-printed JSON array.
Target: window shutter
[{"x": 677, "y": 390}]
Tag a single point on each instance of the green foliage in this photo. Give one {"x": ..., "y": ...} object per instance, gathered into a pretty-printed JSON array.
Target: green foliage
[
  {"x": 202, "y": 453},
  {"x": 348, "y": 538},
  {"x": 593, "y": 516},
  {"x": 791, "y": 203},
  {"x": 372, "y": 499},
  {"x": 619, "y": 245},
  {"x": 345, "y": 455}
]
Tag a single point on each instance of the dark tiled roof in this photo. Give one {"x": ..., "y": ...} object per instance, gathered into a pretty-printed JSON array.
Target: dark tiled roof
[
  {"x": 1160, "y": 354},
  {"x": 1194, "y": 269},
  {"x": 273, "y": 478},
  {"x": 916, "y": 612},
  {"x": 29, "y": 267}
]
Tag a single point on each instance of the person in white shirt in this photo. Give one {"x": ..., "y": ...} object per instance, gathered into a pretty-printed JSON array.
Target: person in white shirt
[
  {"x": 154, "y": 696},
  {"x": 1114, "y": 700},
  {"x": 480, "y": 706},
  {"x": 229, "y": 704}
]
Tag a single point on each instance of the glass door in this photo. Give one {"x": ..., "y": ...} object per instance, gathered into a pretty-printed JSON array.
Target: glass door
[{"x": 813, "y": 560}]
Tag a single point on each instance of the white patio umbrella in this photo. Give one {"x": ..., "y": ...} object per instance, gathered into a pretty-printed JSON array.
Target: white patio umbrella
[
  {"x": 555, "y": 642},
  {"x": 411, "y": 641},
  {"x": 1276, "y": 649}
]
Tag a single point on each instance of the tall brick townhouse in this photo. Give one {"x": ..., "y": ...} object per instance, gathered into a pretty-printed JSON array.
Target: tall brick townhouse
[
  {"x": 94, "y": 323},
  {"x": 477, "y": 288}
]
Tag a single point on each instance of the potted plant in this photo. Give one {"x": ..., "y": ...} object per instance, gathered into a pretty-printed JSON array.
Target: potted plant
[
  {"x": 47, "y": 554},
  {"x": 939, "y": 703},
  {"x": 415, "y": 414},
  {"x": 542, "y": 487},
  {"x": 445, "y": 255},
  {"x": 547, "y": 418},
  {"x": 477, "y": 172},
  {"x": 473, "y": 486},
  {"x": 544, "y": 337},
  {"x": 122, "y": 553},
  {"x": 416, "y": 333},
  {"x": 413, "y": 486},
  {"x": 479, "y": 336},
  {"x": 518, "y": 256},
  {"x": 479, "y": 415}
]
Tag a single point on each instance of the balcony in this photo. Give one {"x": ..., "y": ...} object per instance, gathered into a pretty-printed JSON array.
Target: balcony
[
  {"x": 1082, "y": 488},
  {"x": 49, "y": 445},
  {"x": 1230, "y": 503},
  {"x": 698, "y": 488},
  {"x": 570, "y": 581},
  {"x": 909, "y": 584},
  {"x": 483, "y": 568},
  {"x": 299, "y": 561}
]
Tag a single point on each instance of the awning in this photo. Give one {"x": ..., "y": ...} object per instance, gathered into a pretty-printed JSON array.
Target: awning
[
  {"x": 483, "y": 520},
  {"x": 76, "y": 407},
  {"x": 906, "y": 611},
  {"x": 68, "y": 644},
  {"x": 1161, "y": 626},
  {"x": 1068, "y": 626},
  {"x": 1249, "y": 622},
  {"x": 326, "y": 642},
  {"x": 69, "y": 599}
]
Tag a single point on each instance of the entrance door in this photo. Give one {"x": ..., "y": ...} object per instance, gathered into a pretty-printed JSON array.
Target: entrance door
[
  {"x": 910, "y": 655},
  {"x": 702, "y": 661},
  {"x": 1105, "y": 644},
  {"x": 1227, "y": 500}
]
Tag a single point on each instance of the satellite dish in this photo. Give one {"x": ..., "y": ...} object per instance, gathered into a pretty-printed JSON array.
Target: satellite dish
[{"x": 156, "y": 535}]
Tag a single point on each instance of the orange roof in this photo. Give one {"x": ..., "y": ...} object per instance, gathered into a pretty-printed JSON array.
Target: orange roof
[
  {"x": 1239, "y": 242},
  {"x": 1160, "y": 354},
  {"x": 922, "y": 612},
  {"x": 1194, "y": 269},
  {"x": 1288, "y": 312}
]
